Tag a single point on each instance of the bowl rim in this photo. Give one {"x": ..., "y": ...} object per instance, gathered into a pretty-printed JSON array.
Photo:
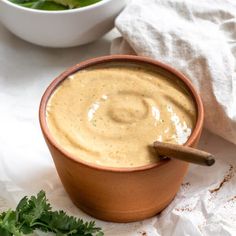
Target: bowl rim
[
  {"x": 112, "y": 58},
  {"x": 60, "y": 12}
]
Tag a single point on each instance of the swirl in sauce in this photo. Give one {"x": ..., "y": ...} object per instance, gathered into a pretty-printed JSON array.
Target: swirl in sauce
[{"x": 110, "y": 116}]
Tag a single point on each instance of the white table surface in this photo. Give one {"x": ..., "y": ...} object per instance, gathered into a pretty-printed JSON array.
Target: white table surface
[{"x": 26, "y": 166}]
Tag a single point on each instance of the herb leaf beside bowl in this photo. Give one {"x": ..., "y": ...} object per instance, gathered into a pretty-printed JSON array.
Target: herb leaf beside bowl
[
  {"x": 54, "y": 5},
  {"x": 35, "y": 213}
]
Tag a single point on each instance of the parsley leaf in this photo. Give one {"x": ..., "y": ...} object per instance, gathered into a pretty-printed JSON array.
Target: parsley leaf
[{"x": 36, "y": 213}]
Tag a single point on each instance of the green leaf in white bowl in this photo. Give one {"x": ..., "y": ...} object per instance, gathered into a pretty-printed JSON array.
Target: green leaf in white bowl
[
  {"x": 52, "y": 5},
  {"x": 76, "y": 3},
  {"x": 48, "y": 5}
]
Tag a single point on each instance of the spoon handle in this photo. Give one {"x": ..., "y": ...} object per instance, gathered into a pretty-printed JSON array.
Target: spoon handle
[{"x": 184, "y": 153}]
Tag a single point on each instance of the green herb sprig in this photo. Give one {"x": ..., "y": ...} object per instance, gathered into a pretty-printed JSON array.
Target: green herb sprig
[{"x": 35, "y": 213}]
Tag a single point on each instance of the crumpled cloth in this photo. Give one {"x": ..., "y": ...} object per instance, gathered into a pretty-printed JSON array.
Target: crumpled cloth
[{"x": 196, "y": 37}]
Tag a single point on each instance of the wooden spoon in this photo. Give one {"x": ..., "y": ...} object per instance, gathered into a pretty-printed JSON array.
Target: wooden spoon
[{"x": 184, "y": 153}]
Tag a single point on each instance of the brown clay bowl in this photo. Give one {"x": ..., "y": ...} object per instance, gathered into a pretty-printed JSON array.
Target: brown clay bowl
[{"x": 120, "y": 194}]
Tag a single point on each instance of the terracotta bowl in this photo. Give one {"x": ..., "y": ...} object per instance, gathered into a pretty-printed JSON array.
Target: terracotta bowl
[{"x": 120, "y": 194}]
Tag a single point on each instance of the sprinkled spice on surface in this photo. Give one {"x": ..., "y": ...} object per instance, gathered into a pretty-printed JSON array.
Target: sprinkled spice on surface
[
  {"x": 185, "y": 208},
  {"x": 143, "y": 233},
  {"x": 185, "y": 185},
  {"x": 227, "y": 177},
  {"x": 232, "y": 199}
]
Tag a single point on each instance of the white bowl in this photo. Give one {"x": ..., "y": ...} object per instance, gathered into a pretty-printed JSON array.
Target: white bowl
[{"x": 66, "y": 28}]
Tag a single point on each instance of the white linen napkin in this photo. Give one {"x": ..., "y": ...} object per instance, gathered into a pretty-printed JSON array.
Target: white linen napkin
[{"x": 196, "y": 37}]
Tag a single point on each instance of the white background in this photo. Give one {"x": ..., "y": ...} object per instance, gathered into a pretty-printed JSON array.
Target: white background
[{"x": 26, "y": 166}]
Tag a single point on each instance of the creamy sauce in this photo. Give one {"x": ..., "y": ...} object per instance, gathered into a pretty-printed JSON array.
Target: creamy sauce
[{"x": 111, "y": 116}]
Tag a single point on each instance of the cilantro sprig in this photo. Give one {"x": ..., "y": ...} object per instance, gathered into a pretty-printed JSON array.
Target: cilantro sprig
[{"x": 35, "y": 213}]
